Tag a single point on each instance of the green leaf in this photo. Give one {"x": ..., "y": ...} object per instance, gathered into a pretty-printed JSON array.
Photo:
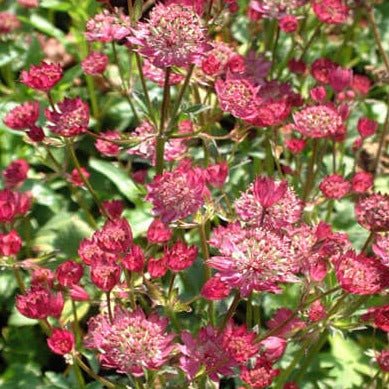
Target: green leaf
[
  {"x": 82, "y": 309},
  {"x": 118, "y": 177},
  {"x": 57, "y": 5},
  {"x": 21, "y": 376},
  {"x": 140, "y": 218},
  {"x": 43, "y": 25},
  {"x": 56, "y": 380}
]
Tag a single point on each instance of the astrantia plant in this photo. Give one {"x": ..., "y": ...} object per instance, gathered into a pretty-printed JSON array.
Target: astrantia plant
[{"x": 194, "y": 194}]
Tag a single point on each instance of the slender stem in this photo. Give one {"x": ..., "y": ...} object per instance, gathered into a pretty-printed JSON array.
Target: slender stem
[
  {"x": 171, "y": 285},
  {"x": 92, "y": 374},
  {"x": 73, "y": 156},
  {"x": 249, "y": 311},
  {"x": 109, "y": 306},
  {"x": 309, "y": 43},
  {"x": 77, "y": 328},
  {"x": 230, "y": 312},
  {"x": 161, "y": 137},
  {"x": 130, "y": 284},
  {"x": 78, "y": 374},
  {"x": 311, "y": 171},
  {"x": 367, "y": 242},
  {"x": 384, "y": 133},
  {"x": 19, "y": 279},
  {"x": 90, "y": 83},
  {"x": 204, "y": 248},
  {"x": 275, "y": 45},
  {"x": 121, "y": 74}
]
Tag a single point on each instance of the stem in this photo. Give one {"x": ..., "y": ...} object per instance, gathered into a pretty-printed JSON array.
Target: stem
[
  {"x": 273, "y": 57},
  {"x": 121, "y": 74},
  {"x": 78, "y": 374},
  {"x": 367, "y": 242},
  {"x": 85, "y": 181},
  {"x": 109, "y": 307},
  {"x": 204, "y": 248},
  {"x": 19, "y": 279},
  {"x": 92, "y": 374},
  {"x": 77, "y": 329},
  {"x": 384, "y": 133},
  {"x": 161, "y": 138},
  {"x": 171, "y": 285},
  {"x": 230, "y": 312},
  {"x": 130, "y": 284},
  {"x": 90, "y": 83},
  {"x": 311, "y": 39},
  {"x": 311, "y": 171}
]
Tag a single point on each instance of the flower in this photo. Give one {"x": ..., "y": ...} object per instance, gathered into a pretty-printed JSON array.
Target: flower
[
  {"x": 340, "y": 78},
  {"x": 335, "y": 186},
  {"x": 361, "y": 84},
  {"x": 330, "y": 11},
  {"x": 69, "y": 273},
  {"x": 105, "y": 274},
  {"x": 42, "y": 77},
  {"x": 61, "y": 341},
  {"x": 95, "y": 63},
  {"x": 372, "y": 212},
  {"x": 8, "y": 22},
  {"x": 297, "y": 66},
  {"x": 318, "y": 121},
  {"x": 177, "y": 194},
  {"x": 10, "y": 244},
  {"x": 106, "y": 145},
  {"x": 288, "y": 23},
  {"x": 215, "y": 289},
  {"x": 134, "y": 260},
  {"x": 71, "y": 118},
  {"x": 383, "y": 360},
  {"x": 272, "y": 348},
  {"x": 29, "y": 3},
  {"x": 180, "y": 256},
  {"x": 321, "y": 69},
  {"x": 157, "y": 75},
  {"x": 295, "y": 145},
  {"x": 260, "y": 376},
  {"x": 75, "y": 177},
  {"x": 362, "y": 181},
  {"x": 258, "y": 260},
  {"x": 379, "y": 316},
  {"x": 39, "y": 302},
  {"x": 15, "y": 173},
  {"x": 217, "y": 174},
  {"x": 107, "y": 27},
  {"x": 207, "y": 351},
  {"x": 158, "y": 232},
  {"x": 367, "y": 127},
  {"x": 275, "y": 8},
  {"x": 114, "y": 208},
  {"x": 77, "y": 293},
  {"x": 132, "y": 342},
  {"x": 317, "y": 311},
  {"x": 173, "y": 36},
  {"x": 285, "y": 322},
  {"x": 359, "y": 274},
  {"x": 157, "y": 267},
  {"x": 282, "y": 206},
  {"x": 13, "y": 204},
  {"x": 23, "y": 116},
  {"x": 381, "y": 248},
  {"x": 43, "y": 277}
]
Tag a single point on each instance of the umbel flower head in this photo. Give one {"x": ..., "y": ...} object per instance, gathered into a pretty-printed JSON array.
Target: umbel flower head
[
  {"x": 132, "y": 342},
  {"x": 23, "y": 116},
  {"x": 173, "y": 36},
  {"x": 71, "y": 119},
  {"x": 372, "y": 212},
  {"x": 42, "y": 77}
]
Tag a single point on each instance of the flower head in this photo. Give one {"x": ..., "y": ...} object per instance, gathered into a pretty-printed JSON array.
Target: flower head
[
  {"x": 173, "y": 36},
  {"x": 158, "y": 232},
  {"x": 10, "y": 243},
  {"x": 372, "y": 212},
  {"x": 132, "y": 342},
  {"x": 13, "y": 204},
  {"x": 330, "y": 11},
  {"x": 71, "y": 119},
  {"x": 367, "y": 127},
  {"x": 69, "y": 273},
  {"x": 95, "y": 63},
  {"x": 23, "y": 116},
  {"x": 379, "y": 316},
  {"x": 8, "y": 22},
  {"x": 261, "y": 376},
  {"x": 381, "y": 248},
  {"x": 180, "y": 256},
  {"x": 335, "y": 186},
  {"x": 106, "y": 145},
  {"x": 15, "y": 173},
  {"x": 362, "y": 181},
  {"x": 61, "y": 341},
  {"x": 75, "y": 177},
  {"x": 42, "y": 77}
]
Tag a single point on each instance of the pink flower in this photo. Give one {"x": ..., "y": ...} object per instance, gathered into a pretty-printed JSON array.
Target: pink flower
[
  {"x": 335, "y": 186},
  {"x": 61, "y": 341},
  {"x": 114, "y": 208},
  {"x": 132, "y": 342},
  {"x": 95, "y": 63},
  {"x": 379, "y": 316},
  {"x": 211, "y": 65},
  {"x": 275, "y": 8},
  {"x": 272, "y": 348},
  {"x": 157, "y": 75},
  {"x": 23, "y": 116},
  {"x": 361, "y": 84},
  {"x": 43, "y": 277},
  {"x": 207, "y": 351},
  {"x": 115, "y": 237},
  {"x": 288, "y": 23},
  {"x": 362, "y": 275},
  {"x": 105, "y": 275},
  {"x": 77, "y": 293},
  {"x": 318, "y": 121},
  {"x": 134, "y": 260},
  {"x": 8, "y": 22},
  {"x": 260, "y": 376},
  {"x": 321, "y": 70},
  {"x": 158, "y": 232},
  {"x": 257, "y": 260},
  {"x": 29, "y": 3},
  {"x": 10, "y": 243},
  {"x": 15, "y": 173},
  {"x": 215, "y": 289},
  {"x": 372, "y": 212},
  {"x": 317, "y": 311},
  {"x": 36, "y": 134},
  {"x": 381, "y": 248},
  {"x": 69, "y": 273},
  {"x": 197, "y": 5},
  {"x": 318, "y": 93},
  {"x": 239, "y": 342},
  {"x": 282, "y": 206},
  {"x": 295, "y": 145},
  {"x": 177, "y": 194},
  {"x": 367, "y": 127},
  {"x": 105, "y": 146},
  {"x": 106, "y": 27},
  {"x": 362, "y": 181},
  {"x": 180, "y": 256},
  {"x": 330, "y": 11},
  {"x": 297, "y": 66},
  {"x": 42, "y": 77},
  {"x": 340, "y": 78},
  {"x": 173, "y": 36},
  {"x": 383, "y": 360},
  {"x": 217, "y": 174},
  {"x": 71, "y": 118},
  {"x": 39, "y": 303},
  {"x": 75, "y": 177},
  {"x": 285, "y": 322},
  {"x": 157, "y": 267},
  {"x": 13, "y": 204}
]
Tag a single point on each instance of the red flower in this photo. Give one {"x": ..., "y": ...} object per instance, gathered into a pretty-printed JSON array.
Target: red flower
[
  {"x": 39, "y": 303},
  {"x": 15, "y": 173},
  {"x": 158, "y": 232},
  {"x": 71, "y": 119},
  {"x": 61, "y": 341},
  {"x": 75, "y": 177},
  {"x": 217, "y": 174},
  {"x": 372, "y": 212},
  {"x": 261, "y": 376},
  {"x": 295, "y": 145},
  {"x": 340, "y": 78},
  {"x": 297, "y": 66},
  {"x": 317, "y": 311},
  {"x": 8, "y": 22},
  {"x": 383, "y": 360},
  {"x": 114, "y": 208},
  {"x": 272, "y": 348},
  {"x": 77, "y": 293},
  {"x": 321, "y": 69},
  {"x": 105, "y": 146},
  {"x": 286, "y": 323},
  {"x": 379, "y": 316},
  {"x": 335, "y": 186},
  {"x": 157, "y": 267},
  {"x": 13, "y": 204},
  {"x": 134, "y": 259},
  {"x": 23, "y": 116},
  {"x": 95, "y": 63},
  {"x": 105, "y": 275},
  {"x": 267, "y": 192},
  {"x": 362, "y": 181},
  {"x": 330, "y": 11},
  {"x": 10, "y": 244},
  {"x": 367, "y": 127},
  {"x": 288, "y": 23},
  {"x": 215, "y": 289},
  {"x": 361, "y": 84},
  {"x": 42, "y": 77},
  {"x": 180, "y": 256},
  {"x": 318, "y": 93},
  {"x": 69, "y": 273},
  {"x": 42, "y": 276},
  {"x": 211, "y": 65}
]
